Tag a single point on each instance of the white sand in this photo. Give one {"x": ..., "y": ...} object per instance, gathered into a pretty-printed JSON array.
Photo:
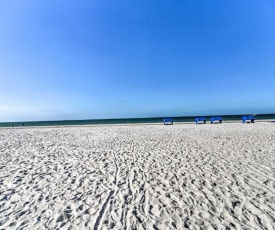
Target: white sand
[{"x": 138, "y": 177}]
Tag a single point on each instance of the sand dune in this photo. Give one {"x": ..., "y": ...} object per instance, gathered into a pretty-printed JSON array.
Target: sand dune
[{"x": 138, "y": 177}]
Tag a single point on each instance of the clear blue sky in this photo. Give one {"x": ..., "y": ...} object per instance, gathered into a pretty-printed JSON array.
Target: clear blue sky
[{"x": 139, "y": 58}]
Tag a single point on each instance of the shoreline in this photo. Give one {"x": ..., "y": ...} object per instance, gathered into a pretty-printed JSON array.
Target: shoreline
[{"x": 133, "y": 124}]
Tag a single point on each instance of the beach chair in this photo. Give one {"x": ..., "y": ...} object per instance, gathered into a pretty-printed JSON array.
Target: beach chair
[
  {"x": 248, "y": 119},
  {"x": 168, "y": 121},
  {"x": 215, "y": 120},
  {"x": 200, "y": 120}
]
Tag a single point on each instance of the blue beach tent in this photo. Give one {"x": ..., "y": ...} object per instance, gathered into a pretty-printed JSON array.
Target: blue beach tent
[
  {"x": 200, "y": 119},
  {"x": 168, "y": 121},
  {"x": 248, "y": 119},
  {"x": 213, "y": 119}
]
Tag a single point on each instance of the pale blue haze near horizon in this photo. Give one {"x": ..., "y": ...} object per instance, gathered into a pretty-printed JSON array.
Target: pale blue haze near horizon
[{"x": 140, "y": 58}]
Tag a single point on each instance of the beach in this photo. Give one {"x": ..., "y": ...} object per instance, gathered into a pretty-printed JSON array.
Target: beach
[{"x": 181, "y": 176}]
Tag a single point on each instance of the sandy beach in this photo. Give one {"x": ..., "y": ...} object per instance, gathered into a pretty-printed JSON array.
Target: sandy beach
[{"x": 138, "y": 177}]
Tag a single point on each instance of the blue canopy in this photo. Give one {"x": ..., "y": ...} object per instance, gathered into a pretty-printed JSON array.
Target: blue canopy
[
  {"x": 200, "y": 119},
  {"x": 167, "y": 120},
  {"x": 245, "y": 118},
  {"x": 212, "y": 119}
]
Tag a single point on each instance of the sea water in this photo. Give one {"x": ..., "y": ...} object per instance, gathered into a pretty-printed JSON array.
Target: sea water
[{"x": 127, "y": 121}]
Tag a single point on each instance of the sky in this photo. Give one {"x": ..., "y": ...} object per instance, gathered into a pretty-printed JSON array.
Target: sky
[{"x": 97, "y": 59}]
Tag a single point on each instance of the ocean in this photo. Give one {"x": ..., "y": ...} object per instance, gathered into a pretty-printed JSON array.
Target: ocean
[{"x": 127, "y": 121}]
